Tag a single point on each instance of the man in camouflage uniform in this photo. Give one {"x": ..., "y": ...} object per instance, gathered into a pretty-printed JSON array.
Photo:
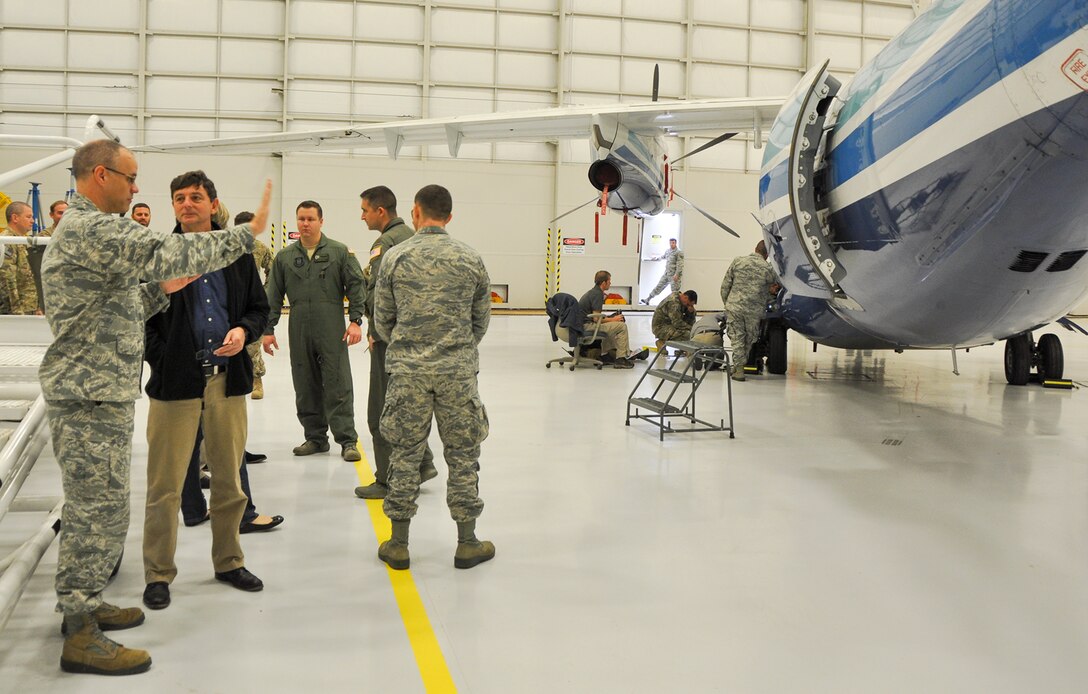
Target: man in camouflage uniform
[
  {"x": 745, "y": 290},
  {"x": 379, "y": 207},
  {"x": 90, "y": 378},
  {"x": 263, "y": 256},
  {"x": 674, "y": 271},
  {"x": 16, "y": 275},
  {"x": 432, "y": 308},
  {"x": 35, "y": 253},
  {"x": 674, "y": 317},
  {"x": 316, "y": 274}
]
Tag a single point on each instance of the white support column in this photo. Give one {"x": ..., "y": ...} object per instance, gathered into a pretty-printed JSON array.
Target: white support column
[
  {"x": 286, "y": 63},
  {"x": 141, "y": 76}
]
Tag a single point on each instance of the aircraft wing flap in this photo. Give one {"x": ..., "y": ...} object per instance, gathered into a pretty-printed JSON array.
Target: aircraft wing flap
[{"x": 711, "y": 116}]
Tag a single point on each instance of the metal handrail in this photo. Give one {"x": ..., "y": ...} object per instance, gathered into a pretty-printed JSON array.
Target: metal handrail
[
  {"x": 23, "y": 564},
  {"x": 93, "y": 123}
]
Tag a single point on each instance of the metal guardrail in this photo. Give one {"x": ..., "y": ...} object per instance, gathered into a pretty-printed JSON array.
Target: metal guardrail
[{"x": 22, "y": 343}]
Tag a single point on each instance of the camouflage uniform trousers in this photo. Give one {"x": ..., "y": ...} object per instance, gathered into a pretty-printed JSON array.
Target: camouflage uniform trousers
[
  {"x": 454, "y": 401},
  {"x": 92, "y": 442},
  {"x": 743, "y": 331},
  {"x": 672, "y": 332},
  {"x": 254, "y": 350},
  {"x": 666, "y": 278}
]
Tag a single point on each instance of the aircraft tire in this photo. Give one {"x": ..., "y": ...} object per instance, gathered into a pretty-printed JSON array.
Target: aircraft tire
[
  {"x": 1018, "y": 360},
  {"x": 776, "y": 349},
  {"x": 1051, "y": 357}
]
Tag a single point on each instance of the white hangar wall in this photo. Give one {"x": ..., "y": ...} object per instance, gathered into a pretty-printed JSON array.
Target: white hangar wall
[{"x": 169, "y": 70}]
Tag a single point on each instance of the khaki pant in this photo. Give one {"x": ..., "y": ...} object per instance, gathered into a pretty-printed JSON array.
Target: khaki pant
[
  {"x": 613, "y": 338},
  {"x": 171, "y": 433}
]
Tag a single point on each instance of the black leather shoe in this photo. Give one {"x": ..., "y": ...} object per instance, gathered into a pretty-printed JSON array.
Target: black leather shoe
[
  {"x": 189, "y": 523},
  {"x": 252, "y": 527},
  {"x": 253, "y": 458},
  {"x": 157, "y": 595},
  {"x": 241, "y": 579}
]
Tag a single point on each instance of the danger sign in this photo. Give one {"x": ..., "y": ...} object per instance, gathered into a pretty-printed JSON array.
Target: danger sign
[{"x": 574, "y": 246}]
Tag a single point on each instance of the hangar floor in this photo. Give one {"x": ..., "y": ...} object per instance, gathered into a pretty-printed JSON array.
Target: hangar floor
[{"x": 878, "y": 524}]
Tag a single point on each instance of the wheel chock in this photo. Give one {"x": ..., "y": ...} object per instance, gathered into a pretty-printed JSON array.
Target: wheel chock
[{"x": 1062, "y": 383}]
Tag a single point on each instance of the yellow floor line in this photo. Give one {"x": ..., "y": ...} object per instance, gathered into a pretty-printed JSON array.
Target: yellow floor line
[{"x": 428, "y": 655}]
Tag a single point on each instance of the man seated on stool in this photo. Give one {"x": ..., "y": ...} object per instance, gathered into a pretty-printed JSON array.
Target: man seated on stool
[
  {"x": 674, "y": 317},
  {"x": 616, "y": 349}
]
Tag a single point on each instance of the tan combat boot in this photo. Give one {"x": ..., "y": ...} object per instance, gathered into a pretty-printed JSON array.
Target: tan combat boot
[
  {"x": 87, "y": 651},
  {"x": 471, "y": 551},
  {"x": 258, "y": 388},
  {"x": 394, "y": 551},
  {"x": 112, "y": 618}
]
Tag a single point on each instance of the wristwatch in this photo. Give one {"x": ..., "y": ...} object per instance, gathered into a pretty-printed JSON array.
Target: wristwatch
[{"x": 357, "y": 321}]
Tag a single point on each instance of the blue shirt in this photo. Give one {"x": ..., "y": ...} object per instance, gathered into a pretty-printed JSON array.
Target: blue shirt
[{"x": 207, "y": 299}]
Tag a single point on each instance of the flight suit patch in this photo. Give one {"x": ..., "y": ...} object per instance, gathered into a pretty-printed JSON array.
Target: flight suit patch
[{"x": 299, "y": 262}]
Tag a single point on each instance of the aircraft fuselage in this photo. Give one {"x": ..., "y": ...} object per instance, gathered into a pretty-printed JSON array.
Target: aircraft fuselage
[{"x": 950, "y": 182}]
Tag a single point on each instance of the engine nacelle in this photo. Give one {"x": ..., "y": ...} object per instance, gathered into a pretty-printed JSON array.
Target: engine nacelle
[{"x": 631, "y": 167}]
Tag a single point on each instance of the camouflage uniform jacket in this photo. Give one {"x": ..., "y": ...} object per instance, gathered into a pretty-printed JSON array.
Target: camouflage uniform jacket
[
  {"x": 671, "y": 316},
  {"x": 674, "y": 262},
  {"x": 263, "y": 256},
  {"x": 17, "y": 280},
  {"x": 393, "y": 233},
  {"x": 747, "y": 283},
  {"x": 97, "y": 306},
  {"x": 432, "y": 305}
]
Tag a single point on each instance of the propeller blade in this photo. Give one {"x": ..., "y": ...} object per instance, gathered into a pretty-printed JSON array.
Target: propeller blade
[
  {"x": 707, "y": 214},
  {"x": 657, "y": 82},
  {"x": 588, "y": 202},
  {"x": 716, "y": 141}
]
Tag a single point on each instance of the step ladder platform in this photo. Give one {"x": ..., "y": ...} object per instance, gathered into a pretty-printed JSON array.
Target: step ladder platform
[
  {"x": 670, "y": 375},
  {"x": 654, "y": 405},
  {"x": 692, "y": 347}
]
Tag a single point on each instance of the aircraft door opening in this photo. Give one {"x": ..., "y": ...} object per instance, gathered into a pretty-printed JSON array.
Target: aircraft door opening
[{"x": 656, "y": 232}]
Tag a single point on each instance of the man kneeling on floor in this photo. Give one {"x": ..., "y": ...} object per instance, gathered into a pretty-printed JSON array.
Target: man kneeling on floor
[
  {"x": 674, "y": 317},
  {"x": 200, "y": 377},
  {"x": 616, "y": 346}
]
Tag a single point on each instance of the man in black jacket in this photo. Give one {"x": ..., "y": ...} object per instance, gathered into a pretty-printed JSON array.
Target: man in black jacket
[{"x": 200, "y": 376}]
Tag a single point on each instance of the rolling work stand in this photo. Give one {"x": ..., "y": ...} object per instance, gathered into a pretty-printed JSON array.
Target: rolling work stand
[{"x": 671, "y": 397}]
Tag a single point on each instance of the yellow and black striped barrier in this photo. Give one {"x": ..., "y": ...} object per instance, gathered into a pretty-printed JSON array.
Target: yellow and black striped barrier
[{"x": 558, "y": 255}]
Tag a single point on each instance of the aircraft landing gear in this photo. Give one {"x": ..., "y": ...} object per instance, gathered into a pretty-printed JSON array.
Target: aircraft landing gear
[
  {"x": 1022, "y": 353},
  {"x": 776, "y": 349},
  {"x": 1050, "y": 356}
]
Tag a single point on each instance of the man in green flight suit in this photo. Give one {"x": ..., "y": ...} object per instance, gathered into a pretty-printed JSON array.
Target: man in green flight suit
[
  {"x": 379, "y": 207},
  {"x": 316, "y": 274}
]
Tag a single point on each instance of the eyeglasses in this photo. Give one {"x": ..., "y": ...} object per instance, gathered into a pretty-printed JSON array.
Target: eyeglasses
[{"x": 130, "y": 178}]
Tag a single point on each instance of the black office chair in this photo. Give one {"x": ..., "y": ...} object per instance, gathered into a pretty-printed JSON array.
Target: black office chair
[{"x": 565, "y": 315}]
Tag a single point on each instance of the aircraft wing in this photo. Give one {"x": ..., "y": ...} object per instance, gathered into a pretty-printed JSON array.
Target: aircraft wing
[{"x": 712, "y": 116}]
